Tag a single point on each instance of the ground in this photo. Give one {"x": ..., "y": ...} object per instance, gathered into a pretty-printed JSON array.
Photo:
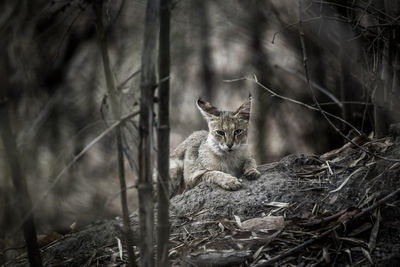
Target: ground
[{"x": 294, "y": 200}]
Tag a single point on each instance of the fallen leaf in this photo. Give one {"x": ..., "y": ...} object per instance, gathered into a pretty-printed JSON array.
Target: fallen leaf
[
  {"x": 325, "y": 255},
  {"x": 367, "y": 255},
  {"x": 374, "y": 231},
  {"x": 119, "y": 248},
  {"x": 264, "y": 223},
  {"x": 257, "y": 253},
  {"x": 238, "y": 221},
  {"x": 278, "y": 204},
  {"x": 361, "y": 229}
]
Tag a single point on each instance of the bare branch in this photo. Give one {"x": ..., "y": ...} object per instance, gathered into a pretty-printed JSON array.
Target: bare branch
[
  {"x": 295, "y": 101},
  {"x": 305, "y": 63}
]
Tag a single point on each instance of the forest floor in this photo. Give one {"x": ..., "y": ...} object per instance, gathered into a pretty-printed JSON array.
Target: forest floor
[{"x": 332, "y": 200}]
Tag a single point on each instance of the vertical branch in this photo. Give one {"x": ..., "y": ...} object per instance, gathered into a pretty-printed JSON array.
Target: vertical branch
[
  {"x": 116, "y": 113},
  {"x": 147, "y": 84},
  {"x": 163, "y": 136},
  {"x": 20, "y": 186}
]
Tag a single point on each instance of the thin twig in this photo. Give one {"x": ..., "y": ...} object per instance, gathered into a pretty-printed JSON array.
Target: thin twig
[
  {"x": 295, "y": 101},
  {"x": 317, "y": 86},
  {"x": 346, "y": 102},
  {"x": 345, "y": 181},
  {"x": 121, "y": 85},
  {"x": 328, "y": 232},
  {"x": 68, "y": 31},
  {"x": 305, "y": 63}
]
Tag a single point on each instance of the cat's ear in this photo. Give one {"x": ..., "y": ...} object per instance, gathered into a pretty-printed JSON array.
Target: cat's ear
[
  {"x": 243, "y": 112},
  {"x": 207, "y": 110}
]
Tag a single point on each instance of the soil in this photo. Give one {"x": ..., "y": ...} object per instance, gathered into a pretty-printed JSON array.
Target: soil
[{"x": 304, "y": 190}]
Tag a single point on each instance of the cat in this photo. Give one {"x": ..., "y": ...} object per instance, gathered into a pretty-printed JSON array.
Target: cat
[{"x": 218, "y": 156}]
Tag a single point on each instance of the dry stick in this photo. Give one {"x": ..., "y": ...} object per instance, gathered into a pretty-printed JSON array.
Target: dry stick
[
  {"x": 328, "y": 232},
  {"x": 305, "y": 60},
  {"x": 163, "y": 225},
  {"x": 346, "y": 102},
  {"x": 57, "y": 178},
  {"x": 116, "y": 111}
]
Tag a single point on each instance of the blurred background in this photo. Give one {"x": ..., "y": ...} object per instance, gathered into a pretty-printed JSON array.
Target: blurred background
[{"x": 51, "y": 68}]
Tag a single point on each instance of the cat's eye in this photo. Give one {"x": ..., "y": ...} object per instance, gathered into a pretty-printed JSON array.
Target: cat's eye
[
  {"x": 221, "y": 133},
  {"x": 238, "y": 131}
]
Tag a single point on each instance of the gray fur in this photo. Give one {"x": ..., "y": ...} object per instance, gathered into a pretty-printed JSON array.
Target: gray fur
[{"x": 218, "y": 156}]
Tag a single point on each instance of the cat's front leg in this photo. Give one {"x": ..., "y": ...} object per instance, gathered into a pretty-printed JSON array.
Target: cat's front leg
[
  {"x": 225, "y": 180},
  {"x": 250, "y": 169}
]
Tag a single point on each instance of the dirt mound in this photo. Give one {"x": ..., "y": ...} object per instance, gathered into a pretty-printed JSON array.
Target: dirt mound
[{"x": 295, "y": 200}]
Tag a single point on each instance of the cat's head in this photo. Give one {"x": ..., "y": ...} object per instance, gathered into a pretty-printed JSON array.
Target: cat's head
[{"x": 227, "y": 129}]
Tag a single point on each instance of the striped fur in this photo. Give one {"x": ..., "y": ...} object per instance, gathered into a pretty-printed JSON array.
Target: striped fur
[{"x": 218, "y": 156}]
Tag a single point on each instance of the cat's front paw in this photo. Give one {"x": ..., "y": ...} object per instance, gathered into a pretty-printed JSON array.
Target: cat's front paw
[
  {"x": 252, "y": 174},
  {"x": 231, "y": 183}
]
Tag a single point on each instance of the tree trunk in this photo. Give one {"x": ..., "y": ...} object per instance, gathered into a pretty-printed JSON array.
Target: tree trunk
[
  {"x": 163, "y": 136},
  {"x": 147, "y": 85},
  {"x": 20, "y": 186}
]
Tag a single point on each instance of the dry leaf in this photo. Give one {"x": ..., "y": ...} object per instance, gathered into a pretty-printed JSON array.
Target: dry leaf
[
  {"x": 374, "y": 231},
  {"x": 278, "y": 204},
  {"x": 238, "y": 221},
  {"x": 361, "y": 229},
  {"x": 367, "y": 255},
  {"x": 119, "y": 248},
  {"x": 325, "y": 255},
  {"x": 264, "y": 223},
  {"x": 257, "y": 253}
]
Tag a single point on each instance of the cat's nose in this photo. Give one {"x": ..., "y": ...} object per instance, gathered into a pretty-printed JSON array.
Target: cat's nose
[{"x": 229, "y": 145}]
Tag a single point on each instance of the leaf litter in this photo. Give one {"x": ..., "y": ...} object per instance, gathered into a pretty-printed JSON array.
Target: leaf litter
[{"x": 310, "y": 205}]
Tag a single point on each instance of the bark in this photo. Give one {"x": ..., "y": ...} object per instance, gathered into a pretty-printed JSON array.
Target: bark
[
  {"x": 381, "y": 95},
  {"x": 116, "y": 112},
  {"x": 147, "y": 84},
  {"x": 163, "y": 136},
  {"x": 20, "y": 186}
]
